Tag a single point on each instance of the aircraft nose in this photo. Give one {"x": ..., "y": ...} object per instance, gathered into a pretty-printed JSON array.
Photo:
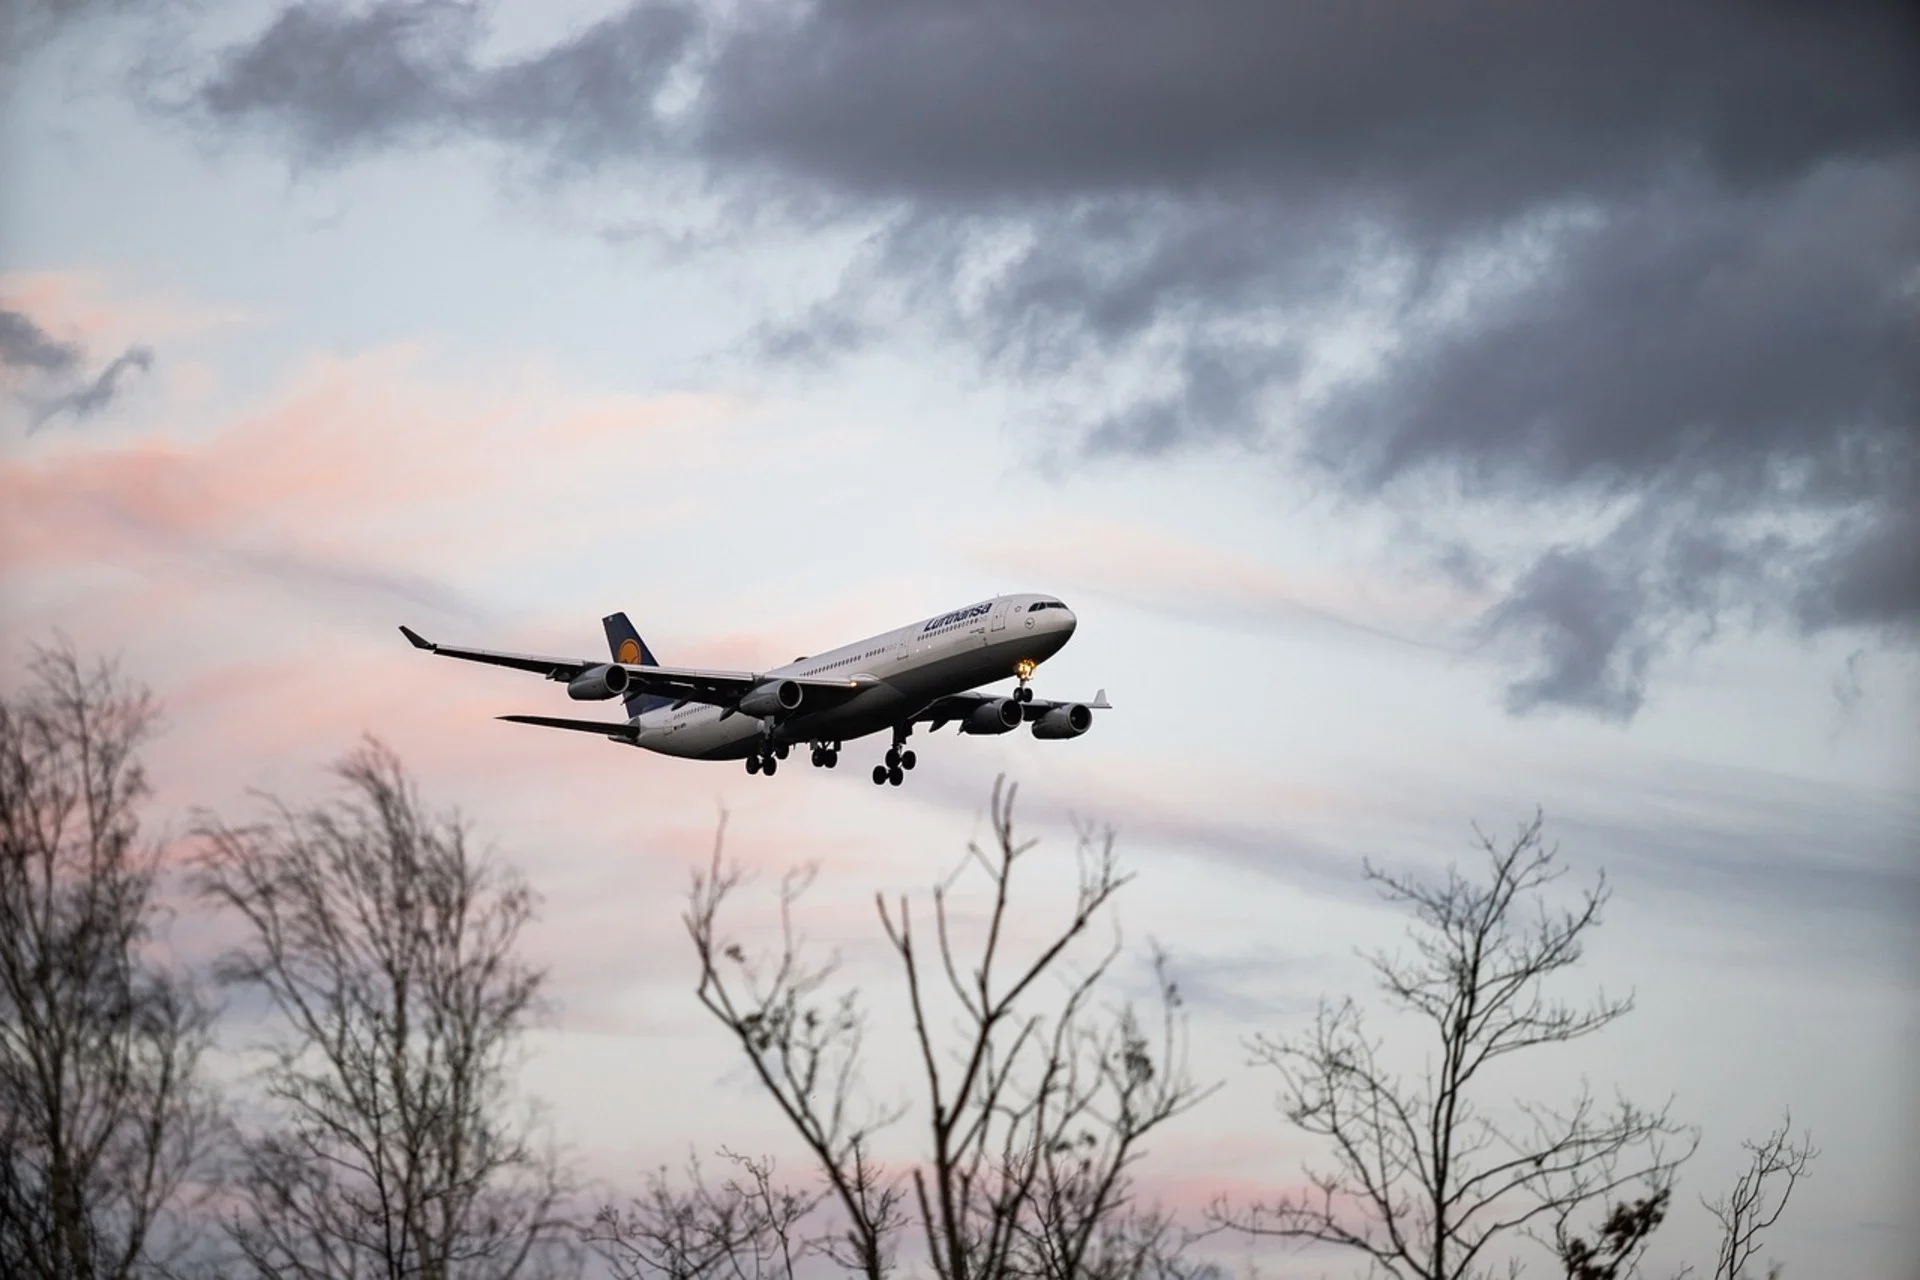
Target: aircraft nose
[{"x": 1067, "y": 621}]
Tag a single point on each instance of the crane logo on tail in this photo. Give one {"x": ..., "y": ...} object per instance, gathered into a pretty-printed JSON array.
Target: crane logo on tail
[{"x": 629, "y": 652}]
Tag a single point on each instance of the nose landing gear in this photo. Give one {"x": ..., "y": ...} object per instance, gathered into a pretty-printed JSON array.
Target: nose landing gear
[{"x": 1023, "y": 670}]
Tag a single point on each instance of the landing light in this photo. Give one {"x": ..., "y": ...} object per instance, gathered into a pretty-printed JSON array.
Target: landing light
[{"x": 1024, "y": 668}]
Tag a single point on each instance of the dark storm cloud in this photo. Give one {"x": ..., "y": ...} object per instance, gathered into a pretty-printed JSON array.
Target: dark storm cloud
[
  {"x": 337, "y": 80},
  {"x": 1652, "y": 267},
  {"x": 1462, "y": 109}
]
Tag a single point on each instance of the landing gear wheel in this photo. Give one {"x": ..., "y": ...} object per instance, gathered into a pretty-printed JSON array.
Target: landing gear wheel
[
  {"x": 753, "y": 764},
  {"x": 908, "y": 759},
  {"x": 893, "y": 757},
  {"x": 896, "y": 776},
  {"x": 768, "y": 765},
  {"x": 880, "y": 772},
  {"x": 1023, "y": 694},
  {"x": 781, "y": 750},
  {"x": 831, "y": 756},
  {"x": 819, "y": 757}
]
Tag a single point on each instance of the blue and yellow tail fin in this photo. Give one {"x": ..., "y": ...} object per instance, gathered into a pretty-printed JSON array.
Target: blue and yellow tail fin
[{"x": 626, "y": 647}]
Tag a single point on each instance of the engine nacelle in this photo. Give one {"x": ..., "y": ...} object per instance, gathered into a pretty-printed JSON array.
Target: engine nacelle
[
  {"x": 596, "y": 684},
  {"x": 1064, "y": 722},
  {"x": 1002, "y": 715},
  {"x": 773, "y": 698}
]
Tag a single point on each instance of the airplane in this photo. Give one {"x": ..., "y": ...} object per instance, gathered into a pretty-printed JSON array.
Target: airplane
[{"x": 926, "y": 672}]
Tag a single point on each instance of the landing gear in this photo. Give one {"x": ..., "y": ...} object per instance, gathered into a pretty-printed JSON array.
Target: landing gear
[
  {"x": 1023, "y": 671},
  {"x": 826, "y": 755},
  {"x": 767, "y": 756},
  {"x": 898, "y": 760}
]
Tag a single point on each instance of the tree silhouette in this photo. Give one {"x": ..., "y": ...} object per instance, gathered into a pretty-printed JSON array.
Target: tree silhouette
[
  {"x": 387, "y": 950},
  {"x": 1758, "y": 1198},
  {"x": 1038, "y": 1103},
  {"x": 1424, "y": 1180},
  {"x": 103, "y": 1119}
]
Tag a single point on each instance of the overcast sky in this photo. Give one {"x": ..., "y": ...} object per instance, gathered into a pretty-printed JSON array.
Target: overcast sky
[{"x": 1430, "y": 412}]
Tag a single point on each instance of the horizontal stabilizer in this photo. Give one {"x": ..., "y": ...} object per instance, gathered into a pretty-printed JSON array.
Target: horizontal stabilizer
[{"x": 605, "y": 728}]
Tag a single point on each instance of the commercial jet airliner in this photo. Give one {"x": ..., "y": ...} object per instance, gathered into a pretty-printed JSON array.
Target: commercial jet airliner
[{"x": 926, "y": 672}]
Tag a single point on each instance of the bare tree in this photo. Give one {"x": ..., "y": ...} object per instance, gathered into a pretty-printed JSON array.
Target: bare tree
[
  {"x": 1622, "y": 1237},
  {"x": 387, "y": 950},
  {"x": 103, "y": 1123},
  {"x": 749, "y": 1227},
  {"x": 1425, "y": 1180},
  {"x": 1037, "y": 1107},
  {"x": 1758, "y": 1198}
]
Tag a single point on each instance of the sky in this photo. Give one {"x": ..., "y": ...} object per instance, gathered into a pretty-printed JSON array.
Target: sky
[{"x": 1429, "y": 413}]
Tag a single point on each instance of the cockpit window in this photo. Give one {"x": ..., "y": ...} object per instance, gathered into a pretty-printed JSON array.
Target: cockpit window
[{"x": 1038, "y": 605}]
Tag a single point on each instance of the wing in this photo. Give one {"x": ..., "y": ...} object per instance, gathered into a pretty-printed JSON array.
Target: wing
[
  {"x": 618, "y": 730},
  {"x": 958, "y": 706},
  {"x": 687, "y": 684}
]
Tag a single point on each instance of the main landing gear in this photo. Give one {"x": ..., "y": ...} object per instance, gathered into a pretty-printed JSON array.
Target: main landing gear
[
  {"x": 767, "y": 759},
  {"x": 899, "y": 760},
  {"x": 824, "y": 754}
]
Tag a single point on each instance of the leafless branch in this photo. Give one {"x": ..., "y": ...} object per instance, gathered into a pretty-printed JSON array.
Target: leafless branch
[
  {"x": 747, "y": 1228},
  {"x": 104, "y": 1121},
  {"x": 1759, "y": 1197},
  {"x": 387, "y": 950},
  {"x": 1423, "y": 1181},
  {"x": 1037, "y": 1109}
]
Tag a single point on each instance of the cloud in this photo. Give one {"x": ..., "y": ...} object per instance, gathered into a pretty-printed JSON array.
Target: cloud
[
  {"x": 25, "y": 25},
  {"x": 1649, "y": 273},
  {"x": 36, "y": 366},
  {"x": 421, "y": 467},
  {"x": 90, "y": 399},
  {"x": 336, "y": 81},
  {"x": 24, "y": 345}
]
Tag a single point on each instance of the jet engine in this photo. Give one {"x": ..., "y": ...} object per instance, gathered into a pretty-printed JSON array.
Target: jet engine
[
  {"x": 773, "y": 698},
  {"x": 1002, "y": 715},
  {"x": 596, "y": 684},
  {"x": 1064, "y": 722}
]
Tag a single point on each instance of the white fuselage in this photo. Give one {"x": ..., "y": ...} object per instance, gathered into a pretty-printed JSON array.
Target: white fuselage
[{"x": 908, "y": 667}]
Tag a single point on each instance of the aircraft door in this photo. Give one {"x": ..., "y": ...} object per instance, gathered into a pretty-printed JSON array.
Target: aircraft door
[{"x": 1000, "y": 612}]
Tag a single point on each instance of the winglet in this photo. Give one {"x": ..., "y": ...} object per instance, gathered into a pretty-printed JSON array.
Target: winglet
[
  {"x": 1100, "y": 700},
  {"x": 417, "y": 640}
]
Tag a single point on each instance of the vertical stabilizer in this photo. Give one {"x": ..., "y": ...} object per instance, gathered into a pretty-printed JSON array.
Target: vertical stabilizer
[{"x": 627, "y": 648}]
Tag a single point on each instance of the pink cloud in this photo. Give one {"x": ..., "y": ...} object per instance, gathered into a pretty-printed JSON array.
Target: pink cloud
[
  {"x": 94, "y": 308},
  {"x": 360, "y": 461}
]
